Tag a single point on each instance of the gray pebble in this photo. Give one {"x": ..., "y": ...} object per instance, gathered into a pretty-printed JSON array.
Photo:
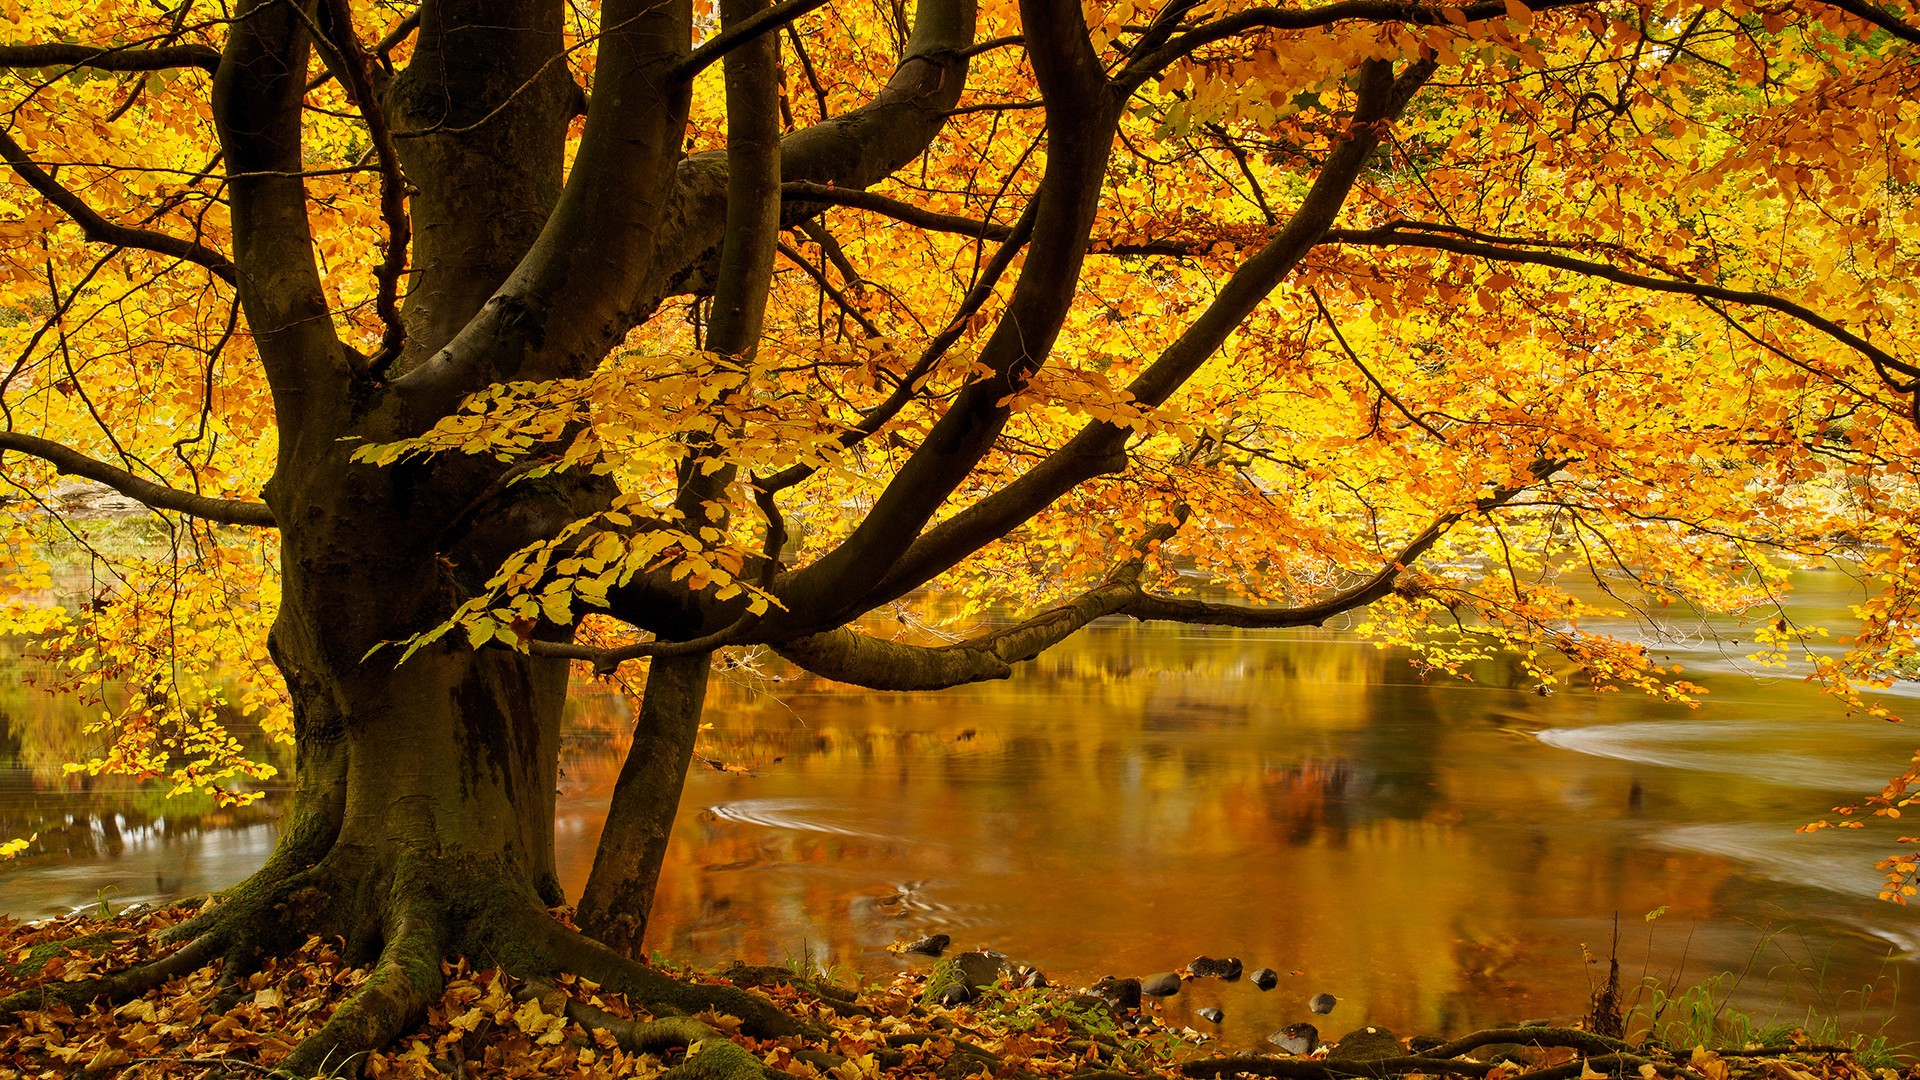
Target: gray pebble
[{"x": 1166, "y": 984}]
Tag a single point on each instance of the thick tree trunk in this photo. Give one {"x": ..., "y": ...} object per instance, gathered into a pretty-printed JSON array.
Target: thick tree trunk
[
  {"x": 626, "y": 867},
  {"x": 445, "y": 761}
]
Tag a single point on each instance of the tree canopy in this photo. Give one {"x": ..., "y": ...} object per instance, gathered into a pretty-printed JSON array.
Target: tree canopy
[{"x": 457, "y": 342}]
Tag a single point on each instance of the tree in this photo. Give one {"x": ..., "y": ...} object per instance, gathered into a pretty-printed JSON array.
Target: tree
[{"x": 541, "y": 341}]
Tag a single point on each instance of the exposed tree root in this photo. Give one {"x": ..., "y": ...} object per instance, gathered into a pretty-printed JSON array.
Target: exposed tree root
[
  {"x": 1571, "y": 1038},
  {"x": 119, "y": 986},
  {"x": 1330, "y": 1068},
  {"x": 716, "y": 1057},
  {"x": 841, "y": 1000},
  {"x": 568, "y": 951},
  {"x": 405, "y": 981},
  {"x": 1606, "y": 1055}
]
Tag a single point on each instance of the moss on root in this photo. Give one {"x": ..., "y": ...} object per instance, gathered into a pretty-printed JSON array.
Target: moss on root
[{"x": 39, "y": 956}]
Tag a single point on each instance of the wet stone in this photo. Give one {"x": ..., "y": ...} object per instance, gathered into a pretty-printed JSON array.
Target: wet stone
[
  {"x": 1367, "y": 1044},
  {"x": 1300, "y": 1039},
  {"x": 1264, "y": 978},
  {"x": 958, "y": 979},
  {"x": 1207, "y": 967},
  {"x": 930, "y": 946},
  {"x": 1119, "y": 993},
  {"x": 1322, "y": 1004},
  {"x": 1212, "y": 1016},
  {"x": 979, "y": 968},
  {"x": 1166, "y": 984}
]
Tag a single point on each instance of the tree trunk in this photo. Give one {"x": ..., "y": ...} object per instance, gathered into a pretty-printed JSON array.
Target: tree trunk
[{"x": 626, "y": 867}]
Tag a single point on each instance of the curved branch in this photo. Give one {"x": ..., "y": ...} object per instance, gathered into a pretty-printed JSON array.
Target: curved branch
[
  {"x": 1880, "y": 17},
  {"x": 768, "y": 20},
  {"x": 804, "y": 192},
  {"x": 1100, "y": 447},
  {"x": 848, "y": 656},
  {"x": 606, "y": 661},
  {"x": 1416, "y": 235},
  {"x": 110, "y": 57},
  {"x": 257, "y": 111},
  {"x": 1146, "y": 66},
  {"x": 860, "y": 199},
  {"x": 356, "y": 70},
  {"x": 672, "y": 240},
  {"x": 158, "y": 496},
  {"x": 99, "y": 229},
  {"x": 1082, "y": 116}
]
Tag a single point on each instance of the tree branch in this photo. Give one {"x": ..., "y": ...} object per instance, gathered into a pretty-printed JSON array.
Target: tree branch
[
  {"x": 1149, "y": 64},
  {"x": 1879, "y": 17},
  {"x": 1148, "y": 607},
  {"x": 859, "y": 199},
  {"x": 1415, "y": 234},
  {"x": 1100, "y": 447},
  {"x": 846, "y": 655},
  {"x": 101, "y": 231},
  {"x": 356, "y": 69},
  {"x": 731, "y": 38},
  {"x": 158, "y": 496},
  {"x": 803, "y": 192},
  {"x": 110, "y": 57},
  {"x": 257, "y": 110},
  {"x": 606, "y": 661},
  {"x": 1082, "y": 115}
]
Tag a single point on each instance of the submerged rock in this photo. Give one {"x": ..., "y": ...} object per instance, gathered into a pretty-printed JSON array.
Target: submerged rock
[
  {"x": 958, "y": 979},
  {"x": 1166, "y": 984},
  {"x": 1211, "y": 1015},
  {"x": 1207, "y": 967},
  {"x": 1118, "y": 993},
  {"x": 1322, "y": 1004},
  {"x": 1264, "y": 978},
  {"x": 929, "y": 946},
  {"x": 980, "y": 968},
  {"x": 1301, "y": 1039},
  {"x": 1367, "y": 1044}
]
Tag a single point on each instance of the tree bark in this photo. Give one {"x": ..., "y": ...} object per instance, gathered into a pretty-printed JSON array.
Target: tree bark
[{"x": 626, "y": 866}]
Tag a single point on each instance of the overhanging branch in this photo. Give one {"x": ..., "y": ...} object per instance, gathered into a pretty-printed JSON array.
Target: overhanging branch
[
  {"x": 110, "y": 57},
  {"x": 98, "y": 229},
  {"x": 1889, "y": 367},
  {"x": 159, "y": 496},
  {"x": 731, "y": 38},
  {"x": 846, "y": 655}
]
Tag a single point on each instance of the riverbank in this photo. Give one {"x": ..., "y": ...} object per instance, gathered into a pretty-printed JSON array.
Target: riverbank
[{"x": 200, "y": 1025}]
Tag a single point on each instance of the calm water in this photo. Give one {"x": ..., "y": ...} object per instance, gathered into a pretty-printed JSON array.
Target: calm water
[{"x": 1435, "y": 853}]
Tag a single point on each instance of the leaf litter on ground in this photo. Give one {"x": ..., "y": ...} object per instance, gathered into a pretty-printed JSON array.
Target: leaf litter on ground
[{"x": 489, "y": 1025}]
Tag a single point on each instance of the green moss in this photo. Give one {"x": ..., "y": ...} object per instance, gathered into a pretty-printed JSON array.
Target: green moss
[
  {"x": 41, "y": 955},
  {"x": 718, "y": 1059}
]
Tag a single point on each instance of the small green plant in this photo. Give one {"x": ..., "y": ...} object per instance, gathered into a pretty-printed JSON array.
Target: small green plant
[
  {"x": 821, "y": 970},
  {"x": 1701, "y": 1014}
]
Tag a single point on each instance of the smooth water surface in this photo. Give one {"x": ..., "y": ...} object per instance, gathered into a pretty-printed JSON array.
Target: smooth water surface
[{"x": 1438, "y": 854}]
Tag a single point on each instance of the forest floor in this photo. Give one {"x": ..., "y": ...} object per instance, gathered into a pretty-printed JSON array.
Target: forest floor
[{"x": 487, "y": 1025}]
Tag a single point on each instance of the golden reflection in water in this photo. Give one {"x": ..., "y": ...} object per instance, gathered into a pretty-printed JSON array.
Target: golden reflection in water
[{"x": 1140, "y": 797}]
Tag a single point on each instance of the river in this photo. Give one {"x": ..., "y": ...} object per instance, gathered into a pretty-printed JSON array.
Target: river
[{"x": 1438, "y": 854}]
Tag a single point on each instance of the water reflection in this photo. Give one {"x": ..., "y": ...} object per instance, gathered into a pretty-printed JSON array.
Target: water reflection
[{"x": 1434, "y": 853}]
